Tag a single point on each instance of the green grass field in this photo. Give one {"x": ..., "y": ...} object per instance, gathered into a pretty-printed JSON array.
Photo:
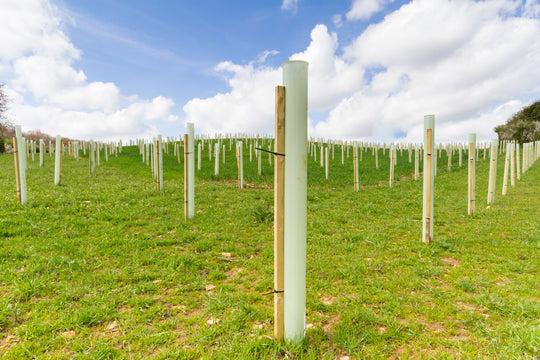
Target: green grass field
[{"x": 106, "y": 267}]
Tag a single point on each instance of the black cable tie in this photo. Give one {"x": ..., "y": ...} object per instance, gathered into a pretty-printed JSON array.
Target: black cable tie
[
  {"x": 271, "y": 152},
  {"x": 274, "y": 292}
]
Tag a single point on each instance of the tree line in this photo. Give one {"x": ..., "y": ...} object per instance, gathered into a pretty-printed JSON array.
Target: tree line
[
  {"x": 7, "y": 128},
  {"x": 523, "y": 126}
]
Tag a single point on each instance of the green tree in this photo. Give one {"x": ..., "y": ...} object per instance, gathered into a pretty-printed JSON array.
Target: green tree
[
  {"x": 523, "y": 126},
  {"x": 6, "y": 127}
]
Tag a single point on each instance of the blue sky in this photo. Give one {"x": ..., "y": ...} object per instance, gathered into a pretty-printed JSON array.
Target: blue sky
[
  {"x": 109, "y": 69},
  {"x": 171, "y": 44}
]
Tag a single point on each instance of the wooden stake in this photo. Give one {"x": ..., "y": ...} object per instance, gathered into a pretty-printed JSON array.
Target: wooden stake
[
  {"x": 60, "y": 175},
  {"x": 327, "y": 162},
  {"x": 17, "y": 173},
  {"x": 518, "y": 171},
  {"x": 41, "y": 152},
  {"x": 392, "y": 155},
  {"x": 427, "y": 173},
  {"x": 429, "y": 178},
  {"x": 259, "y": 155},
  {"x": 355, "y": 167},
  {"x": 512, "y": 165},
  {"x": 472, "y": 174},
  {"x": 239, "y": 165},
  {"x": 156, "y": 163},
  {"x": 449, "y": 154},
  {"x": 58, "y": 161},
  {"x": 492, "y": 172},
  {"x": 216, "y": 159},
  {"x": 159, "y": 155},
  {"x": 199, "y": 159},
  {"x": 186, "y": 178},
  {"x": 89, "y": 161},
  {"x": 278, "y": 211},
  {"x": 506, "y": 165},
  {"x": 415, "y": 163},
  {"x": 98, "y": 145}
]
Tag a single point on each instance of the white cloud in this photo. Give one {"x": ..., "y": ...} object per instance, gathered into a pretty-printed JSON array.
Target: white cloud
[
  {"x": 457, "y": 59},
  {"x": 330, "y": 77},
  {"x": 248, "y": 107},
  {"x": 32, "y": 26},
  {"x": 458, "y": 66},
  {"x": 47, "y": 91},
  {"x": 157, "y": 109},
  {"x": 94, "y": 96},
  {"x": 43, "y": 75},
  {"x": 364, "y": 9},
  {"x": 265, "y": 54},
  {"x": 337, "y": 19},
  {"x": 290, "y": 5},
  {"x": 532, "y": 8},
  {"x": 424, "y": 32},
  {"x": 136, "y": 120},
  {"x": 472, "y": 64}
]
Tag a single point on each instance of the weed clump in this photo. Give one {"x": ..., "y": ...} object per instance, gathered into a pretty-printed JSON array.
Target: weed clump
[{"x": 263, "y": 213}]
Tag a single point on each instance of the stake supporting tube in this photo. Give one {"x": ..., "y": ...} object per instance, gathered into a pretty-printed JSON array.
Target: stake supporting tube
[
  {"x": 160, "y": 162},
  {"x": 279, "y": 165},
  {"x": 186, "y": 178},
  {"x": 427, "y": 209},
  {"x": 17, "y": 170}
]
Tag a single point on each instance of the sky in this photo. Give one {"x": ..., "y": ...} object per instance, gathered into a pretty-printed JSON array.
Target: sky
[{"x": 126, "y": 69}]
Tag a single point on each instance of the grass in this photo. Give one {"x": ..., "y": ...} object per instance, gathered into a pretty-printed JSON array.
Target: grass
[{"x": 106, "y": 267}]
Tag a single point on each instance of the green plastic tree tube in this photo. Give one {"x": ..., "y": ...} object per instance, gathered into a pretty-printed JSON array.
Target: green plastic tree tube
[
  {"x": 429, "y": 181},
  {"x": 41, "y": 151},
  {"x": 472, "y": 175},
  {"x": 160, "y": 161},
  {"x": 295, "y": 80},
  {"x": 191, "y": 169},
  {"x": 492, "y": 171},
  {"x": 57, "y": 159},
  {"x": 22, "y": 168}
]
